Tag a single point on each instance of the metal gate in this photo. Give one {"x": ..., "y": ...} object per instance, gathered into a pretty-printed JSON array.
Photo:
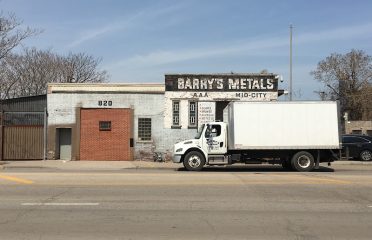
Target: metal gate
[{"x": 23, "y": 135}]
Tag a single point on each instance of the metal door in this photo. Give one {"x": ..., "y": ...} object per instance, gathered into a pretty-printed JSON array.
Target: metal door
[
  {"x": 215, "y": 142},
  {"x": 65, "y": 143}
]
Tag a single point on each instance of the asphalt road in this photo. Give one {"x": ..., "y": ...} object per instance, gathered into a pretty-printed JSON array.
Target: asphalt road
[{"x": 249, "y": 203}]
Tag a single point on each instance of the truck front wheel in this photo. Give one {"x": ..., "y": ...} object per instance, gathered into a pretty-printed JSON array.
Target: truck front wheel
[
  {"x": 194, "y": 161},
  {"x": 303, "y": 161}
]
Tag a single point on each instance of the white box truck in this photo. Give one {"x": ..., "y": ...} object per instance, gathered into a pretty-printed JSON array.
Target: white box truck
[{"x": 297, "y": 135}]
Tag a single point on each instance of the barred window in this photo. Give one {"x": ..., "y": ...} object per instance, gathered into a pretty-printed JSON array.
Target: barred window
[
  {"x": 105, "y": 125},
  {"x": 144, "y": 129},
  {"x": 193, "y": 107},
  {"x": 176, "y": 113}
]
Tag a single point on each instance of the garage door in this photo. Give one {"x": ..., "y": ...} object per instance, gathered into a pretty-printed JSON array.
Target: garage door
[
  {"x": 23, "y": 136},
  {"x": 105, "y": 134},
  {"x": 23, "y": 142}
]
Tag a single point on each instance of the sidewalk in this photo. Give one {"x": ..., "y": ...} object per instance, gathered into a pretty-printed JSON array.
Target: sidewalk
[
  {"x": 87, "y": 165},
  {"x": 114, "y": 165}
]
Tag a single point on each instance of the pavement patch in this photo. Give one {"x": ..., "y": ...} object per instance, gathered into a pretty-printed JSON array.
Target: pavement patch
[{"x": 16, "y": 179}]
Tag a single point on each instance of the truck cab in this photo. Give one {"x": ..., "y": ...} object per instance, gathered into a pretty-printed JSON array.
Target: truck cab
[{"x": 208, "y": 147}]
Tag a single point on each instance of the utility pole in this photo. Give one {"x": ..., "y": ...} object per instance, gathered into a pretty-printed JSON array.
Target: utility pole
[{"x": 290, "y": 62}]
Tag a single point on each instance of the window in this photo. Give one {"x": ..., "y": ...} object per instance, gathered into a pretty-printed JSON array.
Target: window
[
  {"x": 144, "y": 129},
  {"x": 361, "y": 140},
  {"x": 353, "y": 140},
  {"x": 105, "y": 125},
  {"x": 357, "y": 132},
  {"x": 215, "y": 131},
  {"x": 369, "y": 133},
  {"x": 176, "y": 113},
  {"x": 193, "y": 114}
]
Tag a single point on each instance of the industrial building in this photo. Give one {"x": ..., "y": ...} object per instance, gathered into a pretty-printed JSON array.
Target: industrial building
[
  {"x": 358, "y": 127},
  {"x": 133, "y": 121}
]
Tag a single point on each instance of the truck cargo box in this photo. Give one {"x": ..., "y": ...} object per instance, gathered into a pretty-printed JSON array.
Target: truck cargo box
[{"x": 283, "y": 125}]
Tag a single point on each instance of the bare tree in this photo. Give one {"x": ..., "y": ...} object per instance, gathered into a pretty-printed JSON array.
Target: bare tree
[
  {"x": 28, "y": 73},
  {"x": 82, "y": 68},
  {"x": 11, "y": 33},
  {"x": 366, "y": 103},
  {"x": 347, "y": 78},
  {"x": 11, "y": 36}
]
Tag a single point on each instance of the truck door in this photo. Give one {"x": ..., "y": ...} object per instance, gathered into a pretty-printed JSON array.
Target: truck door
[{"x": 215, "y": 139}]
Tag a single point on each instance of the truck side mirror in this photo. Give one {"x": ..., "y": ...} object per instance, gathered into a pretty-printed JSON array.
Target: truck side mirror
[{"x": 208, "y": 131}]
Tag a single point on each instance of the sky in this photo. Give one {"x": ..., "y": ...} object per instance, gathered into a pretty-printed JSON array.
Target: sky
[{"x": 139, "y": 41}]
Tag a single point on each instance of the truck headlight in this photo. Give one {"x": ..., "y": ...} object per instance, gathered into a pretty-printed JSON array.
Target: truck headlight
[{"x": 179, "y": 150}]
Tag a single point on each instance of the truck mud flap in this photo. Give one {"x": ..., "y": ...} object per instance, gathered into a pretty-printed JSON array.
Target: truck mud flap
[{"x": 317, "y": 160}]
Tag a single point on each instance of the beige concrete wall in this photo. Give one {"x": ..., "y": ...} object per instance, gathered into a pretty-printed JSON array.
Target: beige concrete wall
[{"x": 364, "y": 126}]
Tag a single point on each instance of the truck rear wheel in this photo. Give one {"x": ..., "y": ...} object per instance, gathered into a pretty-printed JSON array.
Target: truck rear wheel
[
  {"x": 303, "y": 161},
  {"x": 194, "y": 161}
]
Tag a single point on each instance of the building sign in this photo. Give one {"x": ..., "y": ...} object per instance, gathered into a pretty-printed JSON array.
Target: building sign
[
  {"x": 222, "y": 83},
  {"x": 206, "y": 112},
  {"x": 209, "y": 89}
]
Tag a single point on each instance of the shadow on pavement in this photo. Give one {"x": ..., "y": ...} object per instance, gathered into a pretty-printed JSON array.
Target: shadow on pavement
[{"x": 256, "y": 169}]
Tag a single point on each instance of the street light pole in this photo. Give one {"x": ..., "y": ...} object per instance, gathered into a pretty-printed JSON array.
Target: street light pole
[{"x": 290, "y": 62}]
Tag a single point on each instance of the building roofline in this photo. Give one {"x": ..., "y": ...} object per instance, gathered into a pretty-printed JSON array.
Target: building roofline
[
  {"x": 22, "y": 98},
  {"x": 104, "y": 84},
  {"x": 106, "y": 88},
  {"x": 232, "y": 74}
]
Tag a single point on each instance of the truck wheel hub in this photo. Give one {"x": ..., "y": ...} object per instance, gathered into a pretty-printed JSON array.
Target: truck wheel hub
[
  {"x": 304, "y": 161},
  {"x": 194, "y": 161}
]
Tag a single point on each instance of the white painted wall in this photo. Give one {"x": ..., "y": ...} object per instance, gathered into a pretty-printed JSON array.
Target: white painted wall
[
  {"x": 185, "y": 97},
  {"x": 62, "y": 111}
]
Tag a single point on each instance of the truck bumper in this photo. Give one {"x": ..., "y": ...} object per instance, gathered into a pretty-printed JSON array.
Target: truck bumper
[{"x": 177, "y": 158}]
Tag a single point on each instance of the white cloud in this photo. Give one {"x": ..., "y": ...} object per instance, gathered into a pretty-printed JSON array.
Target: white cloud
[
  {"x": 90, "y": 35},
  {"x": 163, "y": 57},
  {"x": 253, "y": 47},
  {"x": 348, "y": 32},
  {"x": 141, "y": 17}
]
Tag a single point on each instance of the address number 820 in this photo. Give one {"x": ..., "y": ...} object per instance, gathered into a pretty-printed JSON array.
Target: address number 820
[{"x": 105, "y": 103}]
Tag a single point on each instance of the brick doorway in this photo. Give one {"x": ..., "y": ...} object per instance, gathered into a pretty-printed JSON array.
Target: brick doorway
[{"x": 105, "y": 134}]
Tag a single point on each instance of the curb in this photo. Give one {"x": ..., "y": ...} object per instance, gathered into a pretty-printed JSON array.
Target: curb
[
  {"x": 134, "y": 165},
  {"x": 150, "y": 165},
  {"x": 351, "y": 163},
  {"x": 2, "y": 163}
]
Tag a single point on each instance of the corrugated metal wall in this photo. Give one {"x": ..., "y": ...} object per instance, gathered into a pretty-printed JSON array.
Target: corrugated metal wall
[
  {"x": 25, "y": 104},
  {"x": 22, "y": 126},
  {"x": 23, "y": 143}
]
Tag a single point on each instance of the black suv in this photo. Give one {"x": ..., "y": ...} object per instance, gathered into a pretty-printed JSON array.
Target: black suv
[{"x": 357, "y": 147}]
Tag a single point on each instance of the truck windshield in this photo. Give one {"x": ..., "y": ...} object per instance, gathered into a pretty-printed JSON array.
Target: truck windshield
[{"x": 200, "y": 131}]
